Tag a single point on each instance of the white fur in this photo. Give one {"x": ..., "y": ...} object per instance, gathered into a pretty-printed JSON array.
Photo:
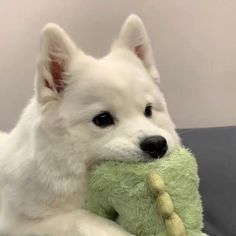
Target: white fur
[
  {"x": 45, "y": 158},
  {"x": 2, "y": 136}
]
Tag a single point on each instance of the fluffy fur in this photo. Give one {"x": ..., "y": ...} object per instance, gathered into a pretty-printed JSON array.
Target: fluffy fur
[
  {"x": 45, "y": 158},
  {"x": 2, "y": 136}
]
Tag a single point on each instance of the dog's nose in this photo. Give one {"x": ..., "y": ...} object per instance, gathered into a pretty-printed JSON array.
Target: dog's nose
[{"x": 154, "y": 146}]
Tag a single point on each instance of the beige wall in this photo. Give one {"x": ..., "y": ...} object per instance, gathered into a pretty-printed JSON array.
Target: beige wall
[{"x": 194, "y": 43}]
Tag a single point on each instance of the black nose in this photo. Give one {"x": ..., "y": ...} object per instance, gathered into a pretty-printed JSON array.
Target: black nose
[{"x": 154, "y": 146}]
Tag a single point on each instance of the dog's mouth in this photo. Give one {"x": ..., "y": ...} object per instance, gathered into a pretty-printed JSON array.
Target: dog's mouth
[
  {"x": 147, "y": 159},
  {"x": 94, "y": 163},
  {"x": 141, "y": 158}
]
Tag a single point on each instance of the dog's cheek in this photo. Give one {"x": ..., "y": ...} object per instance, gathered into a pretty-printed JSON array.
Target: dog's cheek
[{"x": 163, "y": 121}]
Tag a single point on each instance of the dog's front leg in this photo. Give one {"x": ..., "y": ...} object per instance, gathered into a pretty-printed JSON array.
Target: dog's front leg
[{"x": 76, "y": 223}]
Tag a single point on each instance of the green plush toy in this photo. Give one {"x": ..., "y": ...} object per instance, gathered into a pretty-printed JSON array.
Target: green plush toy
[{"x": 158, "y": 198}]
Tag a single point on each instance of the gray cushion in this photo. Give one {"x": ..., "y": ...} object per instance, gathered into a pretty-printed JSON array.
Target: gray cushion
[{"x": 215, "y": 149}]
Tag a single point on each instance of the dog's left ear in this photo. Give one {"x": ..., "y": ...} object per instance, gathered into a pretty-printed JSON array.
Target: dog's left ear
[{"x": 134, "y": 37}]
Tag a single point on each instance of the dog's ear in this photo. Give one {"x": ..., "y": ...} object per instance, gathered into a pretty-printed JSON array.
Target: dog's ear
[
  {"x": 134, "y": 37},
  {"x": 56, "y": 53}
]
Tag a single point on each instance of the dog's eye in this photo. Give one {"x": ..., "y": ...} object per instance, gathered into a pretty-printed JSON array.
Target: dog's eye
[
  {"x": 148, "y": 111},
  {"x": 103, "y": 120}
]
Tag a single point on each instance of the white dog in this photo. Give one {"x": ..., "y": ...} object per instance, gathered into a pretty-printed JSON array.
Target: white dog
[{"x": 84, "y": 110}]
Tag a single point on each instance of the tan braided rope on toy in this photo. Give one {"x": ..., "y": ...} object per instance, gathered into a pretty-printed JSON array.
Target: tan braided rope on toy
[{"x": 173, "y": 223}]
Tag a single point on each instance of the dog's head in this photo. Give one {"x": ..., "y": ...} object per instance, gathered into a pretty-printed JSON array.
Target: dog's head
[{"x": 107, "y": 108}]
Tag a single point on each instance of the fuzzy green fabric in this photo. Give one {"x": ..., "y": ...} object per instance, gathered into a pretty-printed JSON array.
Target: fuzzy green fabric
[{"x": 119, "y": 191}]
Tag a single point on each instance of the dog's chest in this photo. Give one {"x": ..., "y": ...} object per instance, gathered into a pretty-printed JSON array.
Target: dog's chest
[
  {"x": 46, "y": 202},
  {"x": 64, "y": 194},
  {"x": 37, "y": 194}
]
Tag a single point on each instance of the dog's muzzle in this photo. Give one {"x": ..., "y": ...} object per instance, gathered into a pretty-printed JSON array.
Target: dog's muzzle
[{"x": 154, "y": 146}]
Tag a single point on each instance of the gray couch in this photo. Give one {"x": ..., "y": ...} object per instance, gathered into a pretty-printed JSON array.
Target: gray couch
[{"x": 215, "y": 149}]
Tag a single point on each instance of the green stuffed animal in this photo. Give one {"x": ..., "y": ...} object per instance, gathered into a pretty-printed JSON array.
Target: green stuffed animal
[{"x": 158, "y": 198}]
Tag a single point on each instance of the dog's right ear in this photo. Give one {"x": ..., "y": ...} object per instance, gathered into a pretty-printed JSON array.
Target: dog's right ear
[{"x": 56, "y": 53}]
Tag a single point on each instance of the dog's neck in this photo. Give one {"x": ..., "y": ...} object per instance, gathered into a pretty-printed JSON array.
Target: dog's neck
[{"x": 47, "y": 170}]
